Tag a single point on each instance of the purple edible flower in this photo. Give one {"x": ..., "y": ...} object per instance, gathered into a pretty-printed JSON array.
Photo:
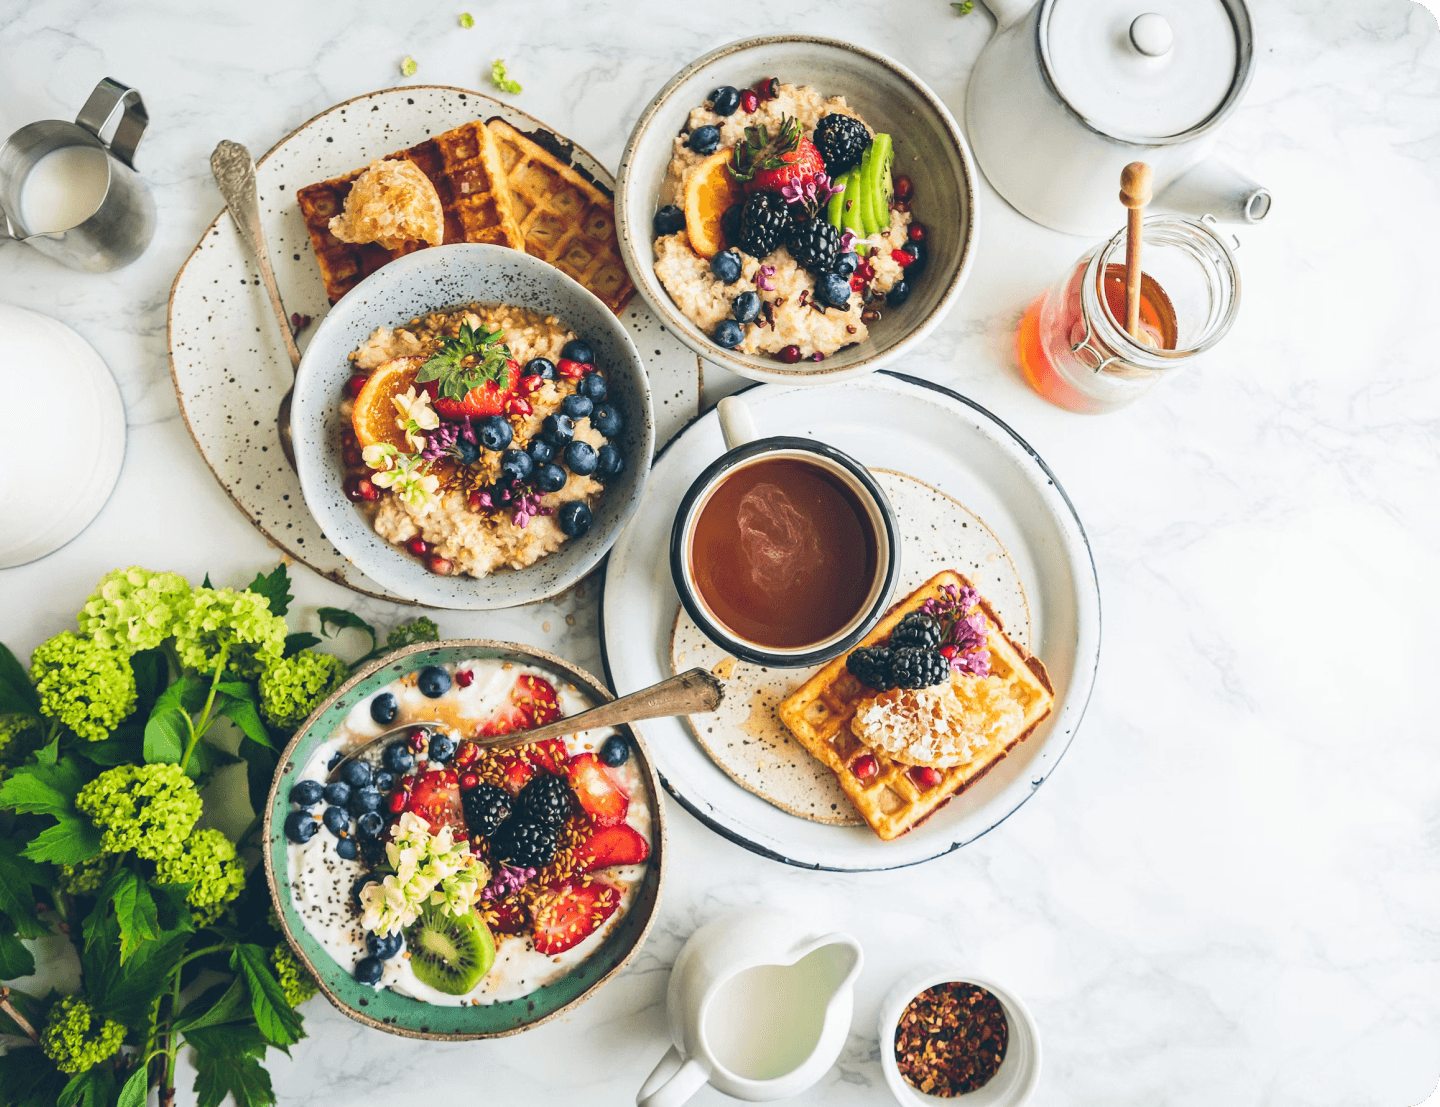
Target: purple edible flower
[
  {"x": 811, "y": 193},
  {"x": 439, "y": 441},
  {"x": 506, "y": 882},
  {"x": 847, "y": 242},
  {"x": 963, "y": 626},
  {"x": 762, "y": 278},
  {"x": 527, "y": 506}
]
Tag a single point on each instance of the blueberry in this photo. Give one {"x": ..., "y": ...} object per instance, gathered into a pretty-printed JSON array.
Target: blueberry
[
  {"x": 669, "y": 219},
  {"x": 337, "y": 820},
  {"x": 607, "y": 420},
  {"x": 615, "y": 750},
  {"x": 516, "y": 464},
  {"x": 433, "y": 682},
  {"x": 369, "y": 970},
  {"x": 495, "y": 432},
  {"x": 574, "y": 518},
  {"x": 728, "y": 334},
  {"x": 300, "y": 826},
  {"x": 335, "y": 759},
  {"x": 348, "y": 848},
  {"x": 833, "y": 289},
  {"x": 577, "y": 349},
  {"x": 609, "y": 463},
  {"x": 363, "y": 800},
  {"x": 337, "y": 793},
  {"x": 724, "y": 100},
  {"x": 370, "y": 824},
  {"x": 442, "y": 748},
  {"x": 593, "y": 387},
  {"x": 899, "y": 293},
  {"x": 922, "y": 258},
  {"x": 383, "y": 707},
  {"x": 581, "y": 458},
  {"x": 468, "y": 451},
  {"x": 846, "y": 264},
  {"x": 359, "y": 884},
  {"x": 705, "y": 140},
  {"x": 558, "y": 428},
  {"x": 726, "y": 266},
  {"x": 541, "y": 450},
  {"x": 383, "y": 780},
  {"x": 577, "y": 406},
  {"x": 307, "y": 793},
  {"x": 550, "y": 477},
  {"x": 540, "y": 367},
  {"x": 384, "y": 946},
  {"x": 746, "y": 307},
  {"x": 355, "y": 773},
  {"x": 398, "y": 758}
]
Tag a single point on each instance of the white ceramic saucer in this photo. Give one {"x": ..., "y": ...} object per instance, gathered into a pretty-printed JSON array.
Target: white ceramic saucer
[
  {"x": 885, "y": 421},
  {"x": 48, "y": 495}
]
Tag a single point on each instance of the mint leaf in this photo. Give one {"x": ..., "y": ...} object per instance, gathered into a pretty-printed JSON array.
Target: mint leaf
[
  {"x": 276, "y": 1019},
  {"x": 275, "y": 588},
  {"x": 15, "y": 959},
  {"x": 16, "y": 899},
  {"x": 134, "y": 1093},
  {"x": 93, "y": 1088},
  {"x": 166, "y": 735},
  {"x": 28, "y": 1079},
  {"x": 466, "y": 362},
  {"x": 300, "y": 640},
  {"x": 341, "y": 619},
  {"x": 43, "y": 789},
  {"x": 17, "y": 694},
  {"x": 227, "y": 1062}
]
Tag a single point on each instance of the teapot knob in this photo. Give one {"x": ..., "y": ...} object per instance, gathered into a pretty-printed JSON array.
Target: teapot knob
[{"x": 1151, "y": 35}]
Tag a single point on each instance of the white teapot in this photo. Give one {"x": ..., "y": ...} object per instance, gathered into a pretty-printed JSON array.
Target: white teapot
[{"x": 1068, "y": 92}]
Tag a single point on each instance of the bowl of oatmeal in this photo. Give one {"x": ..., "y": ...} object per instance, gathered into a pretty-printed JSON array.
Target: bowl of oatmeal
[
  {"x": 472, "y": 428},
  {"x": 797, "y": 209}
]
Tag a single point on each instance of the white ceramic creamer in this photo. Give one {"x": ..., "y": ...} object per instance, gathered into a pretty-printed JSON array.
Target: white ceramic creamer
[{"x": 759, "y": 1006}]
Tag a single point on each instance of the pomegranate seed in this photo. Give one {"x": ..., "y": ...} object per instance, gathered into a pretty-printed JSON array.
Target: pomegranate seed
[
  {"x": 347, "y": 437},
  {"x": 902, "y": 259},
  {"x": 817, "y": 356},
  {"x": 768, "y": 89},
  {"x": 441, "y": 566},
  {"x": 789, "y": 355},
  {"x": 749, "y": 100},
  {"x": 360, "y": 489},
  {"x": 917, "y": 232},
  {"x": 475, "y": 504},
  {"x": 448, "y": 776},
  {"x": 925, "y": 776},
  {"x": 355, "y": 384},
  {"x": 901, "y": 205},
  {"x": 857, "y": 282},
  {"x": 352, "y": 455},
  {"x": 869, "y": 315},
  {"x": 418, "y": 546},
  {"x": 948, "y": 652},
  {"x": 416, "y": 741},
  {"x": 468, "y": 751},
  {"x": 903, "y": 188},
  {"x": 469, "y": 782},
  {"x": 865, "y": 766},
  {"x": 518, "y": 405},
  {"x": 572, "y": 369},
  {"x": 532, "y": 383},
  {"x": 464, "y": 677},
  {"x": 866, "y": 270}
]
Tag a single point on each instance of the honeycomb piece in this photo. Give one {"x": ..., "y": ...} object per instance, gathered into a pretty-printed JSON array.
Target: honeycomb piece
[{"x": 390, "y": 204}]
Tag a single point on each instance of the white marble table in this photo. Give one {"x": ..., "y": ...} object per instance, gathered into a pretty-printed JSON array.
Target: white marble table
[{"x": 1229, "y": 892}]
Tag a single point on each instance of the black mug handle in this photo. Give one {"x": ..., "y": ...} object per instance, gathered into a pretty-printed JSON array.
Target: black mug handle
[{"x": 109, "y": 97}]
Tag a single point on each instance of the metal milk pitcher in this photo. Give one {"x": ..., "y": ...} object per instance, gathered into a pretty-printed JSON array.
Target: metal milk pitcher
[{"x": 109, "y": 214}]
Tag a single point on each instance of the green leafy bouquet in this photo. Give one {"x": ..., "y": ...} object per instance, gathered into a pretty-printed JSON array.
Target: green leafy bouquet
[{"x": 105, "y": 745}]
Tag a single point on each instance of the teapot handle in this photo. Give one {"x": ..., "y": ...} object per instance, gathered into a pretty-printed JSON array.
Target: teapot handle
[
  {"x": 109, "y": 97},
  {"x": 673, "y": 1082}
]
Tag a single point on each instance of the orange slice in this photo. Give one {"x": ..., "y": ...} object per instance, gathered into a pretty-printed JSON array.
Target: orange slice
[
  {"x": 709, "y": 193},
  {"x": 375, "y": 415}
]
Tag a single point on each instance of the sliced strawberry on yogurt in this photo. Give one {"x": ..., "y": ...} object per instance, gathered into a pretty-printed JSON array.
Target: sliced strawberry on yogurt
[
  {"x": 549, "y": 754},
  {"x": 567, "y": 913},
  {"x": 436, "y": 799},
  {"x": 612, "y": 845},
  {"x": 510, "y": 918},
  {"x": 532, "y": 702},
  {"x": 599, "y": 793},
  {"x": 517, "y": 771}
]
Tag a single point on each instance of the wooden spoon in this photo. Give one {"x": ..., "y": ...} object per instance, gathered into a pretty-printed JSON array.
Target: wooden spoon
[{"x": 1135, "y": 192}]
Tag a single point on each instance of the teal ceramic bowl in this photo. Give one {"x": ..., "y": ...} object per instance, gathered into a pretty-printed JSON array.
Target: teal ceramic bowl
[{"x": 387, "y": 1010}]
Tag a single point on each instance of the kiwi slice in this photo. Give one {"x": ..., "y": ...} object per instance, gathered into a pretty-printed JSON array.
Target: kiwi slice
[
  {"x": 835, "y": 208},
  {"x": 450, "y": 953},
  {"x": 882, "y": 185}
]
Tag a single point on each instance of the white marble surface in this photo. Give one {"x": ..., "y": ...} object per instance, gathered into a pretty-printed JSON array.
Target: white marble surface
[{"x": 1229, "y": 892}]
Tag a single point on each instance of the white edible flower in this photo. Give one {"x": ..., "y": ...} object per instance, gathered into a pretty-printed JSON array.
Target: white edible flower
[
  {"x": 416, "y": 416},
  {"x": 428, "y": 869},
  {"x": 411, "y": 482},
  {"x": 379, "y": 455}
]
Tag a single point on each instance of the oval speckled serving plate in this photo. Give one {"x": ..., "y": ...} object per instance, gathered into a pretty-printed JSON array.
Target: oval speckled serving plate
[
  {"x": 387, "y": 1010},
  {"x": 227, "y": 360}
]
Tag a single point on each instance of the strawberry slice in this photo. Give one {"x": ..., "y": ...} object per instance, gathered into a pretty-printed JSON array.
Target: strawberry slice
[
  {"x": 510, "y": 918},
  {"x": 436, "y": 799},
  {"x": 599, "y": 793},
  {"x": 489, "y": 398},
  {"x": 614, "y": 845},
  {"x": 569, "y": 912},
  {"x": 766, "y": 163},
  {"x": 532, "y": 702},
  {"x": 549, "y": 754},
  {"x": 518, "y": 772}
]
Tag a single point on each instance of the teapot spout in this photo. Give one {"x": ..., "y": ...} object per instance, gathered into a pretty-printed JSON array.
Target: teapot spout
[{"x": 1214, "y": 187}]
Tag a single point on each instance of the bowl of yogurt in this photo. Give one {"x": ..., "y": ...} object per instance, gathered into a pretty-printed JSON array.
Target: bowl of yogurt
[{"x": 438, "y": 889}]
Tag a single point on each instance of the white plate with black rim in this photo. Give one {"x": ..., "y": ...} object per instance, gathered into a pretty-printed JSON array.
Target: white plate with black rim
[{"x": 886, "y": 421}]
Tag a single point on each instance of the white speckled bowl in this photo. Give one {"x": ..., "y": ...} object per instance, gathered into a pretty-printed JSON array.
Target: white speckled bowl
[
  {"x": 929, "y": 149},
  {"x": 442, "y": 277}
]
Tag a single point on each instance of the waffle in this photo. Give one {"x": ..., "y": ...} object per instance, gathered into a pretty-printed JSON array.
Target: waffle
[
  {"x": 818, "y": 713},
  {"x": 564, "y": 219},
  {"x": 463, "y": 165}
]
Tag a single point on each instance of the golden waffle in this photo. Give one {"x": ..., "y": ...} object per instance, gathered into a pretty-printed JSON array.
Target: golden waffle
[
  {"x": 818, "y": 713},
  {"x": 563, "y": 218},
  {"x": 463, "y": 165}
]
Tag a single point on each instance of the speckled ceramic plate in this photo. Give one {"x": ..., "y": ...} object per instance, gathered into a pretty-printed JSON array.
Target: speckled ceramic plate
[
  {"x": 384, "y": 1009},
  {"x": 747, "y": 739},
  {"x": 960, "y": 449},
  {"x": 226, "y": 355}
]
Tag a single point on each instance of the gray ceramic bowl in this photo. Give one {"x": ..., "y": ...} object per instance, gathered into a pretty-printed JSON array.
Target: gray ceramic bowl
[
  {"x": 929, "y": 149},
  {"x": 443, "y": 277}
]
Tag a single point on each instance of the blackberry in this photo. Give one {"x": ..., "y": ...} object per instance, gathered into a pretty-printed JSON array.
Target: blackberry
[
  {"x": 916, "y": 629},
  {"x": 841, "y": 140},
  {"x": 525, "y": 844},
  {"x": 546, "y": 799},
  {"x": 871, "y": 667},
  {"x": 914, "y": 667},
  {"x": 815, "y": 245},
  {"x": 486, "y": 807},
  {"x": 764, "y": 222}
]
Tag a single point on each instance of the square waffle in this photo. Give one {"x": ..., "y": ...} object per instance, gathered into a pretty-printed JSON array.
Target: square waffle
[
  {"x": 818, "y": 713},
  {"x": 563, "y": 218},
  {"x": 463, "y": 165}
]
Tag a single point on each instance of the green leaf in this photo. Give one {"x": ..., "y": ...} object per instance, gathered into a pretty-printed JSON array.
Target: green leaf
[
  {"x": 341, "y": 619},
  {"x": 300, "y": 640},
  {"x": 133, "y": 1094},
  {"x": 172, "y": 908},
  {"x": 16, "y": 899},
  {"x": 167, "y": 734},
  {"x": 72, "y": 840},
  {"x": 124, "y": 747},
  {"x": 28, "y": 1079},
  {"x": 260, "y": 763},
  {"x": 127, "y": 992},
  {"x": 275, "y": 588},
  {"x": 241, "y": 711},
  {"x": 135, "y": 912},
  {"x": 152, "y": 674},
  {"x": 227, "y": 1062},
  {"x": 276, "y": 1019},
  {"x": 206, "y": 583},
  {"x": 188, "y": 693},
  {"x": 93, "y": 1088},
  {"x": 17, "y": 694},
  {"x": 43, "y": 789},
  {"x": 216, "y": 1006},
  {"x": 49, "y": 752},
  {"x": 15, "y": 959},
  {"x": 422, "y": 629}
]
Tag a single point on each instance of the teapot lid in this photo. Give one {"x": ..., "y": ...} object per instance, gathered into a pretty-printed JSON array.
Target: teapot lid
[{"x": 1147, "y": 71}]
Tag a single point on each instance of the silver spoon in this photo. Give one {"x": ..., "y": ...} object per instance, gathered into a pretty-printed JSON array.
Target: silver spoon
[
  {"x": 235, "y": 174},
  {"x": 695, "y": 690}
]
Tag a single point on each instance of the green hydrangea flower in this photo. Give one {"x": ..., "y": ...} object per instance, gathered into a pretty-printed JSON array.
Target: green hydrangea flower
[
  {"x": 216, "y": 618},
  {"x": 133, "y": 609},
  {"x": 150, "y": 809},
  {"x": 295, "y": 979},
  {"x": 294, "y": 686},
  {"x": 207, "y": 863},
  {"x": 85, "y": 878},
  {"x": 76, "y": 1038},
  {"x": 20, "y": 735},
  {"x": 87, "y": 687}
]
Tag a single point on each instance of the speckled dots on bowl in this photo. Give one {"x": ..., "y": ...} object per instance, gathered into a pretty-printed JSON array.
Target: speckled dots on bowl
[{"x": 428, "y": 280}]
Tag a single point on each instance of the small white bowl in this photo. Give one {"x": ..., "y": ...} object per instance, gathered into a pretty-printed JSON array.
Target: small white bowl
[{"x": 1013, "y": 1083}]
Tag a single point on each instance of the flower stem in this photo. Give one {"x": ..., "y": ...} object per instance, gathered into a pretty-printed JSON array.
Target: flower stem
[
  {"x": 16, "y": 1016},
  {"x": 197, "y": 729}
]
